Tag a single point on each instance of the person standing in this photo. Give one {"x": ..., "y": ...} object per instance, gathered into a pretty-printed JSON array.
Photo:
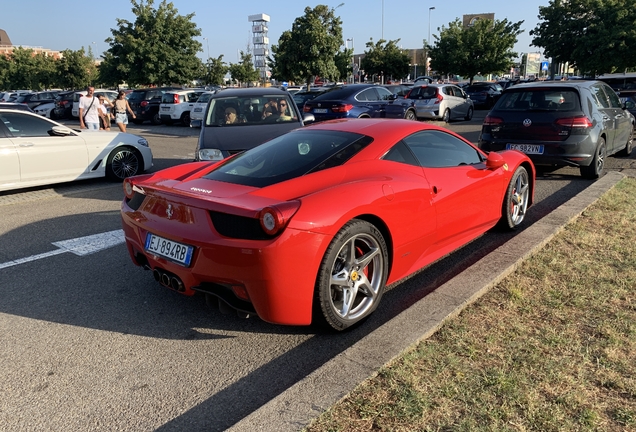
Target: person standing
[
  {"x": 104, "y": 106},
  {"x": 121, "y": 109},
  {"x": 89, "y": 111}
]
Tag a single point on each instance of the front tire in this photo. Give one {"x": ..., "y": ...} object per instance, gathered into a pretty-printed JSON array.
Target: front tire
[
  {"x": 352, "y": 276},
  {"x": 515, "y": 204},
  {"x": 595, "y": 169},
  {"x": 469, "y": 114},
  {"x": 123, "y": 162}
]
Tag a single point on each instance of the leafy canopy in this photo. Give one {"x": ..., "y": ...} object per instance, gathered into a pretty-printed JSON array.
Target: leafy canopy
[
  {"x": 596, "y": 36},
  {"x": 309, "y": 48},
  {"x": 157, "y": 48},
  {"x": 244, "y": 72},
  {"x": 385, "y": 58},
  {"x": 483, "y": 48}
]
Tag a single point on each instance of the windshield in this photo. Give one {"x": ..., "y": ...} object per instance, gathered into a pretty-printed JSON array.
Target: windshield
[
  {"x": 290, "y": 155},
  {"x": 250, "y": 110}
]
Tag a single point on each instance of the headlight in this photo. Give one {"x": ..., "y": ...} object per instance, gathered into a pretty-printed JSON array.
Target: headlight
[
  {"x": 210, "y": 155},
  {"x": 143, "y": 142}
]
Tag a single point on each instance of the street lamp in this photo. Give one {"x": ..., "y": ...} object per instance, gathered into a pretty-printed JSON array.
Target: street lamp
[
  {"x": 208, "y": 45},
  {"x": 353, "y": 60},
  {"x": 428, "y": 40}
]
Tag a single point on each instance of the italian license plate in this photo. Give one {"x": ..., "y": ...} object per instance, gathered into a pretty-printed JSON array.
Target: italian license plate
[
  {"x": 320, "y": 110},
  {"x": 165, "y": 108},
  {"x": 198, "y": 109},
  {"x": 170, "y": 249},
  {"x": 526, "y": 148}
]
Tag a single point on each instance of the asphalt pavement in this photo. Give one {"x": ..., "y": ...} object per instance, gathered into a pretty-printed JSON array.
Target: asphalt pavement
[{"x": 305, "y": 400}]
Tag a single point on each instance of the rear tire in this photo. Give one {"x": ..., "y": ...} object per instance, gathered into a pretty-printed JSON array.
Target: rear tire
[
  {"x": 595, "y": 169},
  {"x": 352, "y": 276},
  {"x": 446, "y": 116},
  {"x": 627, "y": 150},
  {"x": 410, "y": 115},
  {"x": 185, "y": 118}
]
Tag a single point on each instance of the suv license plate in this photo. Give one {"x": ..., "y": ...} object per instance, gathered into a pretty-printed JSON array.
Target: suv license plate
[
  {"x": 172, "y": 250},
  {"x": 526, "y": 148}
]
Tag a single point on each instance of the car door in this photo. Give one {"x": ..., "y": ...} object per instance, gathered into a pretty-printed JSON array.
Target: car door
[
  {"x": 393, "y": 108},
  {"x": 369, "y": 101},
  {"x": 622, "y": 120},
  {"x": 465, "y": 193},
  {"x": 603, "y": 104},
  {"x": 42, "y": 155},
  {"x": 460, "y": 101}
]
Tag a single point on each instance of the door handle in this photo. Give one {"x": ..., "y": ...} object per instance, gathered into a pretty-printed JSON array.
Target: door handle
[{"x": 26, "y": 144}]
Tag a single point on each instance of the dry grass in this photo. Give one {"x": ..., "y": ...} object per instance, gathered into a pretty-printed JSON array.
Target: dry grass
[{"x": 551, "y": 348}]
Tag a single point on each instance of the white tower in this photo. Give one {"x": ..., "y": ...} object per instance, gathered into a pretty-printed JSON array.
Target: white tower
[{"x": 261, "y": 43}]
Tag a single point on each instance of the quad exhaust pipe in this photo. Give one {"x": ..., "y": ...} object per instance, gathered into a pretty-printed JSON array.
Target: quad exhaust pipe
[{"x": 168, "y": 280}]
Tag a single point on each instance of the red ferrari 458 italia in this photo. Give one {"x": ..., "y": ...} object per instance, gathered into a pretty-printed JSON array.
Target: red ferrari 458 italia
[{"x": 311, "y": 226}]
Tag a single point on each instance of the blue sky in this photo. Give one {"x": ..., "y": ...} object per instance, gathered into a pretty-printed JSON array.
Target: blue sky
[{"x": 73, "y": 24}]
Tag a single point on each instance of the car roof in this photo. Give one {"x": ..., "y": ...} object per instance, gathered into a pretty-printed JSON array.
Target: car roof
[
  {"x": 534, "y": 84},
  {"x": 251, "y": 91}
]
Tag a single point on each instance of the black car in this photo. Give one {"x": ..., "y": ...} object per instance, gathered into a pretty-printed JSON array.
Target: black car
[
  {"x": 63, "y": 105},
  {"x": 628, "y": 97},
  {"x": 145, "y": 104},
  {"x": 560, "y": 123},
  {"x": 35, "y": 99},
  {"x": 261, "y": 114},
  {"x": 303, "y": 96},
  {"x": 484, "y": 94}
]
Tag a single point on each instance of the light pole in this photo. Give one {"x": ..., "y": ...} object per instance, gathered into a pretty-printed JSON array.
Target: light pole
[
  {"x": 353, "y": 60},
  {"x": 428, "y": 40},
  {"x": 382, "y": 19},
  {"x": 208, "y": 46}
]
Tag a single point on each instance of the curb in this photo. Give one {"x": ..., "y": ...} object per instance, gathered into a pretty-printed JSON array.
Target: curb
[{"x": 296, "y": 407}]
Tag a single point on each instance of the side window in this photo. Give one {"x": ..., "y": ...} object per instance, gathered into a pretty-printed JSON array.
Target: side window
[
  {"x": 436, "y": 149},
  {"x": 401, "y": 153},
  {"x": 384, "y": 93},
  {"x": 367, "y": 95},
  {"x": 613, "y": 97},
  {"x": 20, "y": 125},
  {"x": 600, "y": 98}
]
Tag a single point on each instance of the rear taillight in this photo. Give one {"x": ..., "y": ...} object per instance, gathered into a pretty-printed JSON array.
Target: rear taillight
[
  {"x": 175, "y": 99},
  {"x": 275, "y": 218},
  {"x": 128, "y": 189},
  {"x": 439, "y": 98},
  {"x": 144, "y": 103},
  {"x": 578, "y": 122},
  {"x": 306, "y": 108},
  {"x": 342, "y": 108},
  {"x": 492, "y": 121}
]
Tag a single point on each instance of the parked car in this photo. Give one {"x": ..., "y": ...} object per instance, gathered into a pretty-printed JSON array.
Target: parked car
[
  {"x": 401, "y": 90},
  {"x": 45, "y": 109},
  {"x": 145, "y": 104},
  {"x": 560, "y": 123},
  {"x": 484, "y": 94},
  {"x": 359, "y": 101},
  {"x": 176, "y": 105},
  {"x": 628, "y": 98},
  {"x": 356, "y": 204},
  {"x": 110, "y": 94},
  {"x": 441, "y": 101},
  {"x": 218, "y": 139},
  {"x": 424, "y": 79},
  {"x": 303, "y": 96},
  {"x": 37, "y": 98},
  {"x": 198, "y": 109},
  {"x": 63, "y": 105},
  {"x": 36, "y": 151}
]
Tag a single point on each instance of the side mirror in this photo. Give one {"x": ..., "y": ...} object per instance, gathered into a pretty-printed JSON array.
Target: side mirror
[
  {"x": 308, "y": 118},
  {"x": 393, "y": 97},
  {"x": 60, "y": 131},
  {"x": 195, "y": 123},
  {"x": 494, "y": 161}
]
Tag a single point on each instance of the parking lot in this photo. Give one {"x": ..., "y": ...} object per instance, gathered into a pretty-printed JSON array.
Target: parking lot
[{"x": 91, "y": 342}]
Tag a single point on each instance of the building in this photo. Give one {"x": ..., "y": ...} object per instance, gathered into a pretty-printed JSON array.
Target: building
[
  {"x": 6, "y": 47},
  {"x": 261, "y": 43}
]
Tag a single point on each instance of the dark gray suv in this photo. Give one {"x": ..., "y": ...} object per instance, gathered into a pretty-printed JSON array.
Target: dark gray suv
[{"x": 575, "y": 123}]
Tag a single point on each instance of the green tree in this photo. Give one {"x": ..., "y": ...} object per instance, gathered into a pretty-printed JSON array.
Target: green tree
[
  {"x": 385, "y": 58},
  {"x": 5, "y": 64},
  {"x": 343, "y": 60},
  {"x": 244, "y": 72},
  {"x": 215, "y": 70},
  {"x": 74, "y": 69},
  {"x": 596, "y": 36},
  {"x": 23, "y": 70},
  {"x": 157, "y": 48},
  {"x": 309, "y": 48},
  {"x": 483, "y": 48},
  {"x": 46, "y": 71}
]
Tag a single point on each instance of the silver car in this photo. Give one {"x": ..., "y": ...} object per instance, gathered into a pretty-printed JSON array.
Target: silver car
[{"x": 441, "y": 102}]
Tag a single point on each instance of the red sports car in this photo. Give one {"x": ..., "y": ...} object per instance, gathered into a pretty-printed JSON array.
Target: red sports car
[{"x": 313, "y": 224}]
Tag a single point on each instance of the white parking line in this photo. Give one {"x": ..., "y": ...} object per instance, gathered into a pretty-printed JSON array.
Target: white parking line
[{"x": 80, "y": 246}]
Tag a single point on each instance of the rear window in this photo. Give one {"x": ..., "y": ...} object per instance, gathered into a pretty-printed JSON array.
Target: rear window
[
  {"x": 137, "y": 96},
  {"x": 539, "y": 100},
  {"x": 168, "y": 98},
  {"x": 423, "y": 93},
  {"x": 337, "y": 93},
  {"x": 289, "y": 156}
]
